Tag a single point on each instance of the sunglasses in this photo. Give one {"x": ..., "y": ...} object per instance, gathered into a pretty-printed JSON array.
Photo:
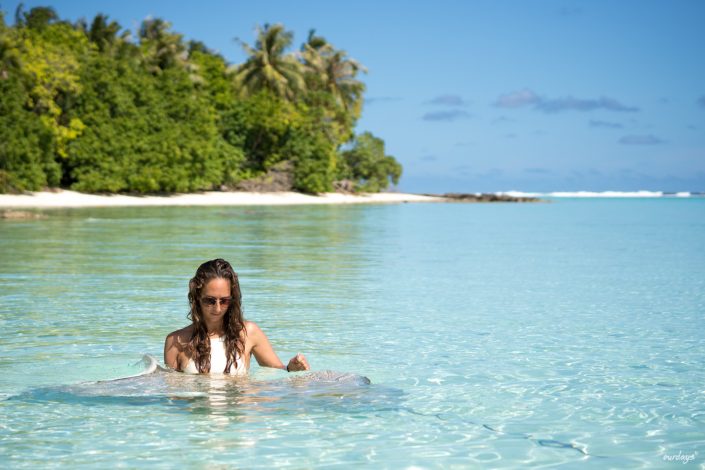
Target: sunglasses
[{"x": 211, "y": 301}]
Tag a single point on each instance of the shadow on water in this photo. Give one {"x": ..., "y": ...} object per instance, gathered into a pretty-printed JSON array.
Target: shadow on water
[
  {"x": 312, "y": 392},
  {"x": 223, "y": 397}
]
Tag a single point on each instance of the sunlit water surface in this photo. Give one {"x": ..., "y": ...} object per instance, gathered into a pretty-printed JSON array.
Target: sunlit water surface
[{"x": 563, "y": 333}]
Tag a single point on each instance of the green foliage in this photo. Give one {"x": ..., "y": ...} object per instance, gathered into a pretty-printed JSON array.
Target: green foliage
[
  {"x": 270, "y": 130},
  {"x": 103, "y": 33},
  {"x": 26, "y": 158},
  {"x": 213, "y": 77},
  {"x": 147, "y": 133},
  {"x": 314, "y": 160},
  {"x": 50, "y": 56},
  {"x": 261, "y": 125},
  {"x": 268, "y": 67},
  {"x": 367, "y": 164},
  {"x": 39, "y": 17},
  {"x": 87, "y": 108},
  {"x": 26, "y": 162},
  {"x": 313, "y": 153},
  {"x": 331, "y": 80}
]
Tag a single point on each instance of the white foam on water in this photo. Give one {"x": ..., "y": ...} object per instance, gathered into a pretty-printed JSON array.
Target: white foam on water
[
  {"x": 597, "y": 194},
  {"x": 607, "y": 194},
  {"x": 150, "y": 364}
]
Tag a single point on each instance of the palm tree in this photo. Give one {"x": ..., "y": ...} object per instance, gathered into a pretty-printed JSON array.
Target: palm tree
[
  {"x": 162, "y": 48},
  {"x": 341, "y": 82},
  {"x": 313, "y": 52},
  {"x": 333, "y": 71},
  {"x": 36, "y": 18},
  {"x": 268, "y": 67},
  {"x": 102, "y": 33}
]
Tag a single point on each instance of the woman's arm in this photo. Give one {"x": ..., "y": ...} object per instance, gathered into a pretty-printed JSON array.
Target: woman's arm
[
  {"x": 265, "y": 355},
  {"x": 171, "y": 351},
  {"x": 174, "y": 346}
]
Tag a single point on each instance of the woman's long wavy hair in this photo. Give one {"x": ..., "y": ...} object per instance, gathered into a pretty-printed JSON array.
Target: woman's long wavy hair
[{"x": 233, "y": 321}]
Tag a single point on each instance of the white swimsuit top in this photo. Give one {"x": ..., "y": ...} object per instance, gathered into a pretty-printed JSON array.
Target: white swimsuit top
[{"x": 218, "y": 360}]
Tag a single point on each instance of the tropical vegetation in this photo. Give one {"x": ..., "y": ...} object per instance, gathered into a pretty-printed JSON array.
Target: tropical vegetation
[{"x": 89, "y": 107}]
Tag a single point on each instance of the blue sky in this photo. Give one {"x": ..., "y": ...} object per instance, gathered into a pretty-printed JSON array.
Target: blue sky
[{"x": 495, "y": 95}]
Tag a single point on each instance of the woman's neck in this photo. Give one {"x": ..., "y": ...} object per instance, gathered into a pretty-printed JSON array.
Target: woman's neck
[{"x": 215, "y": 330}]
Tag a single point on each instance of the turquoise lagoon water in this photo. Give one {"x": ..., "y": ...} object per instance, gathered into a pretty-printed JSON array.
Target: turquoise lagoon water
[{"x": 568, "y": 333}]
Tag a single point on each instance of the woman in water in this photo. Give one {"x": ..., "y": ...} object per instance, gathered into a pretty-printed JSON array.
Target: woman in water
[{"x": 219, "y": 340}]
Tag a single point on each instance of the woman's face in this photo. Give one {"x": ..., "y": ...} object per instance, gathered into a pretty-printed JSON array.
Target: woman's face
[{"x": 215, "y": 298}]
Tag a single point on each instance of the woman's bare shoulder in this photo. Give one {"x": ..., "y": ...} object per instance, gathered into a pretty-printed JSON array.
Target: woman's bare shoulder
[
  {"x": 251, "y": 327},
  {"x": 182, "y": 335}
]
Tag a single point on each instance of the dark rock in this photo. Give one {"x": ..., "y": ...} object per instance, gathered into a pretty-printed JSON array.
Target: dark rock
[
  {"x": 279, "y": 178},
  {"x": 485, "y": 197},
  {"x": 344, "y": 186}
]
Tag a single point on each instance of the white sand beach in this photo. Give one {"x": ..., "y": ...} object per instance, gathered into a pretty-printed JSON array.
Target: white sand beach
[{"x": 66, "y": 199}]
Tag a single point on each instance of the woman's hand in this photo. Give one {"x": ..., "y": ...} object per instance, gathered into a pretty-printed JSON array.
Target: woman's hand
[{"x": 298, "y": 362}]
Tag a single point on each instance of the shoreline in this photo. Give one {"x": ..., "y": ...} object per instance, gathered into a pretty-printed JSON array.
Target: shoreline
[{"x": 64, "y": 199}]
